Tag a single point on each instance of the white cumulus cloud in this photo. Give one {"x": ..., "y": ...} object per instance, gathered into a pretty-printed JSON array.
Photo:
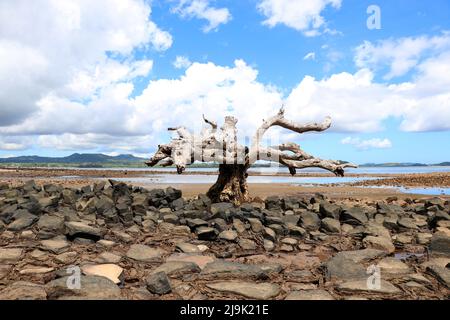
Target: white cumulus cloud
[
  {"x": 201, "y": 9},
  {"x": 181, "y": 62},
  {"x": 400, "y": 55},
  {"x": 70, "y": 48},
  {"x": 374, "y": 143},
  {"x": 301, "y": 15}
]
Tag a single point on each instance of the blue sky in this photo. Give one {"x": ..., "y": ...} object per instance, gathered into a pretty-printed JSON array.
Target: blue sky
[{"x": 100, "y": 79}]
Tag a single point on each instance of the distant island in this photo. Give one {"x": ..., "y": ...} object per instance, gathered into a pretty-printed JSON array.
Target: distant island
[{"x": 99, "y": 160}]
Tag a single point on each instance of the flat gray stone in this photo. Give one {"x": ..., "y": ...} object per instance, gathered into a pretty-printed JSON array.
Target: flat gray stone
[
  {"x": 91, "y": 288},
  {"x": 359, "y": 256},
  {"x": 22, "y": 221},
  {"x": 442, "y": 274},
  {"x": 108, "y": 257},
  {"x": 380, "y": 243},
  {"x": 173, "y": 268},
  {"x": 143, "y": 253},
  {"x": 341, "y": 268},
  {"x": 220, "y": 268},
  {"x": 187, "y": 247},
  {"x": 361, "y": 286},
  {"x": 55, "y": 245},
  {"x": 309, "y": 295},
  {"x": 51, "y": 223},
  {"x": 23, "y": 290},
  {"x": 440, "y": 245},
  {"x": 251, "y": 290}
]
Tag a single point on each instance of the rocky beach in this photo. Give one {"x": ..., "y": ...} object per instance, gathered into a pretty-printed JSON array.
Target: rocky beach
[{"x": 123, "y": 241}]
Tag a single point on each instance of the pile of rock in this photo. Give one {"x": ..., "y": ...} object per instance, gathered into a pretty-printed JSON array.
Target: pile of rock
[{"x": 45, "y": 224}]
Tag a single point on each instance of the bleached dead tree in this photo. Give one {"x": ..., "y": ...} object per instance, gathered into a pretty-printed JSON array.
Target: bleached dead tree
[{"x": 220, "y": 145}]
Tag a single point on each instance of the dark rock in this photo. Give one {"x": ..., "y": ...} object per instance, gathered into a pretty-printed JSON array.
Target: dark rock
[
  {"x": 435, "y": 202},
  {"x": 279, "y": 229},
  {"x": 390, "y": 222},
  {"x": 90, "y": 288},
  {"x": 438, "y": 216},
  {"x": 222, "y": 210},
  {"x": 273, "y": 220},
  {"x": 440, "y": 245},
  {"x": 329, "y": 210},
  {"x": 22, "y": 220},
  {"x": 177, "y": 204},
  {"x": 310, "y": 221},
  {"x": 99, "y": 187},
  {"x": 69, "y": 196},
  {"x": 195, "y": 223},
  {"x": 354, "y": 216},
  {"x": 247, "y": 207},
  {"x": 51, "y": 223},
  {"x": 331, "y": 225},
  {"x": 177, "y": 268},
  {"x": 441, "y": 274},
  {"x": 171, "y": 218},
  {"x": 291, "y": 203},
  {"x": 7, "y": 212},
  {"x": 31, "y": 186},
  {"x": 273, "y": 202},
  {"x": 341, "y": 268},
  {"x": 103, "y": 204},
  {"x": 206, "y": 233},
  {"x": 77, "y": 229},
  {"x": 172, "y": 194},
  {"x": 407, "y": 223},
  {"x": 156, "y": 197},
  {"x": 384, "y": 208},
  {"x": 158, "y": 283},
  {"x": 296, "y": 231},
  {"x": 318, "y": 197},
  {"x": 219, "y": 224}
]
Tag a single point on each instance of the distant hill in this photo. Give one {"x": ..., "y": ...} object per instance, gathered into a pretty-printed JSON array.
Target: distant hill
[
  {"x": 403, "y": 164},
  {"x": 127, "y": 160},
  {"x": 74, "y": 158},
  {"x": 394, "y": 164},
  {"x": 447, "y": 163}
]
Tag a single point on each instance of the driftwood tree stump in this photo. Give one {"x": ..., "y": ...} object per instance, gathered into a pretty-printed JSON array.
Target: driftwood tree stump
[{"x": 220, "y": 145}]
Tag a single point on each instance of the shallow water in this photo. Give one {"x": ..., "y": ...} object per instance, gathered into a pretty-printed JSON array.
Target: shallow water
[
  {"x": 414, "y": 190},
  {"x": 209, "y": 179},
  {"x": 429, "y": 191}
]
